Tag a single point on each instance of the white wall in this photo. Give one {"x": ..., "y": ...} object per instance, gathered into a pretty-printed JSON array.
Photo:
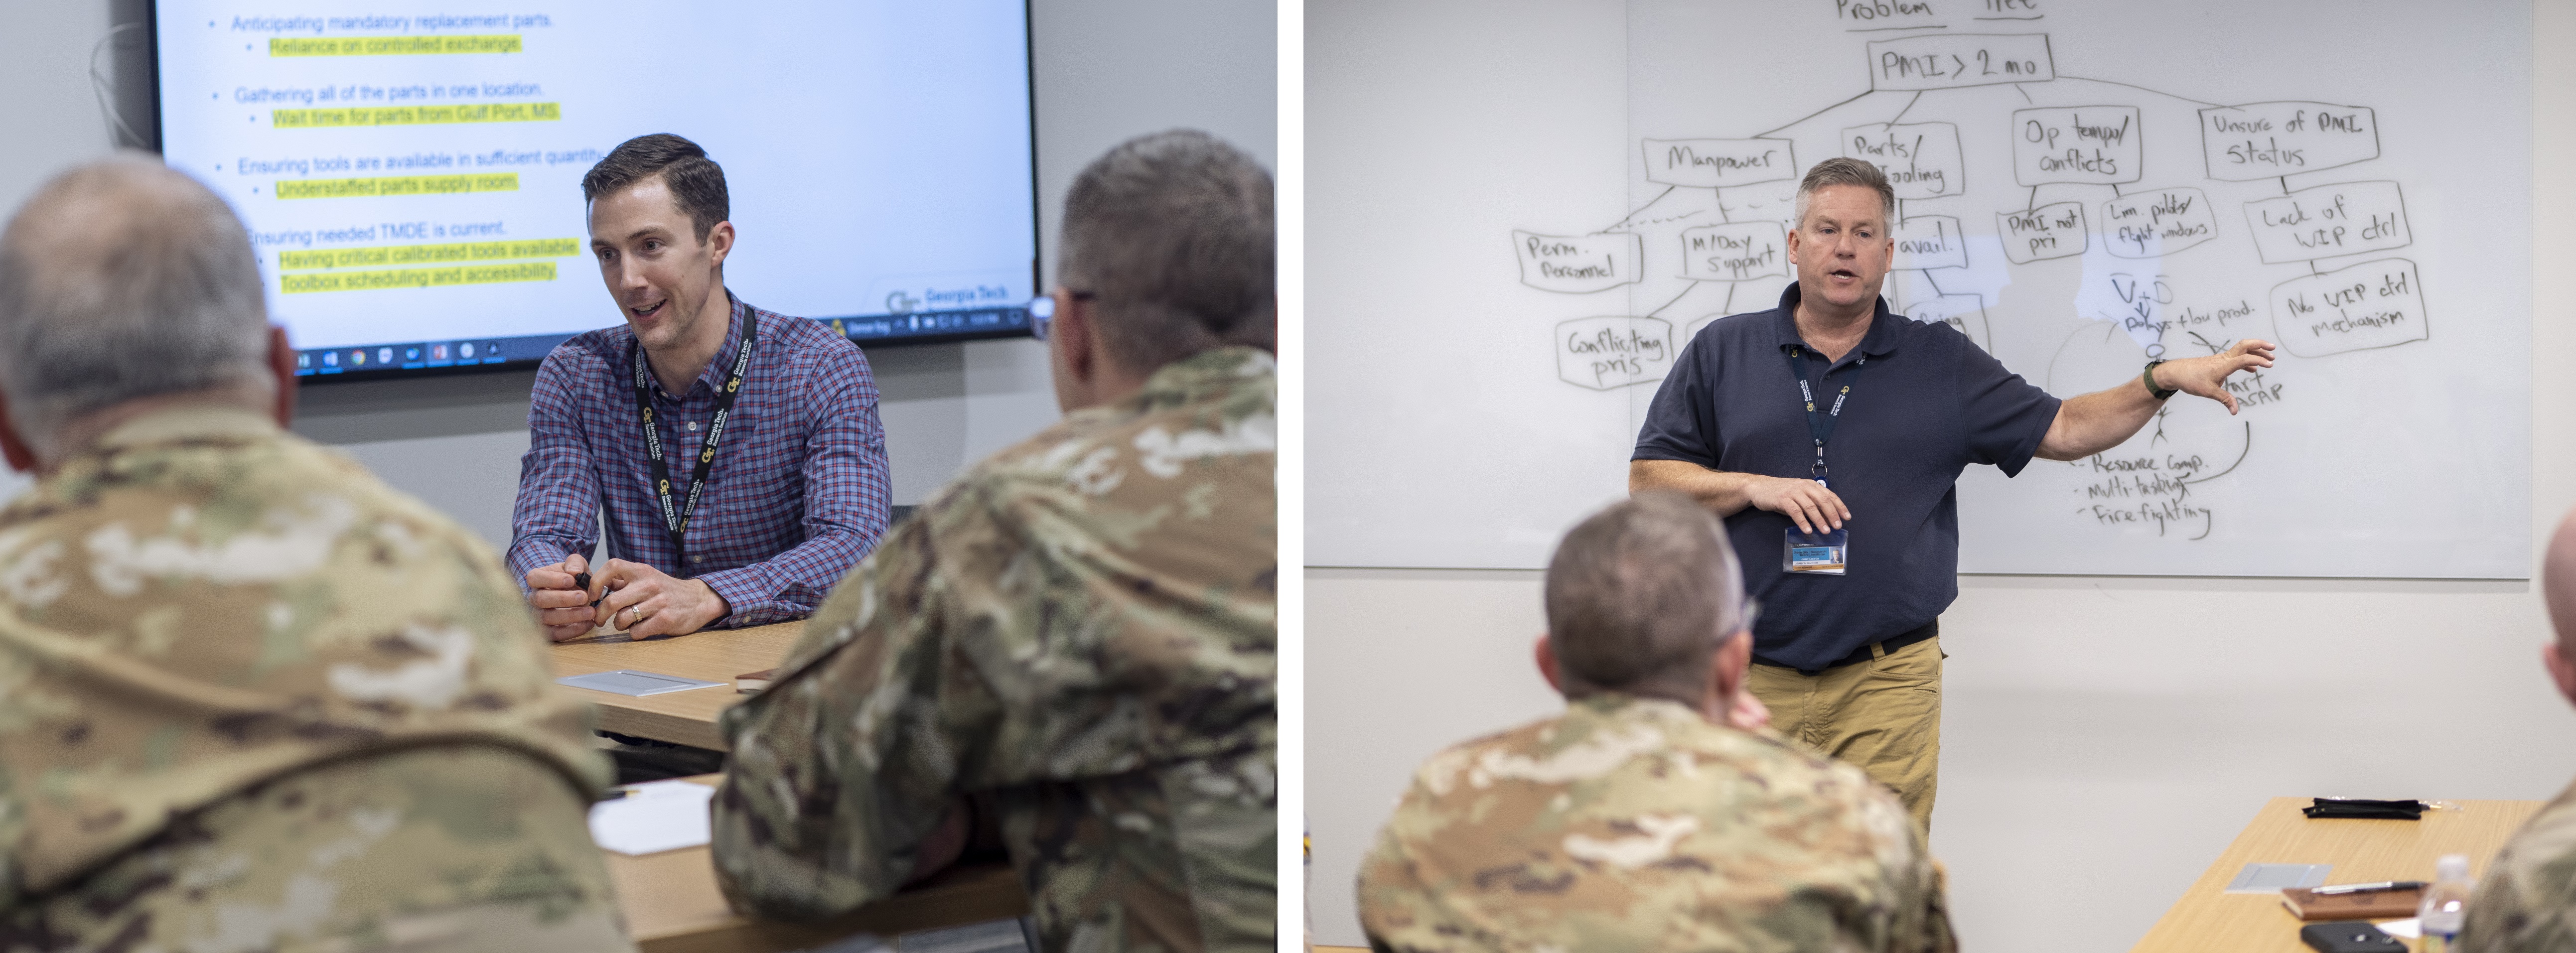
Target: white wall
[
  {"x": 2103, "y": 737},
  {"x": 1105, "y": 70}
]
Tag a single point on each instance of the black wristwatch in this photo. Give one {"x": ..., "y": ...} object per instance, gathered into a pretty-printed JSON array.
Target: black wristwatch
[{"x": 2149, "y": 378}]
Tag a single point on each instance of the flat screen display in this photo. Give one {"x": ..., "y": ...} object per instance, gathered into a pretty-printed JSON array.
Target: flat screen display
[{"x": 411, "y": 174}]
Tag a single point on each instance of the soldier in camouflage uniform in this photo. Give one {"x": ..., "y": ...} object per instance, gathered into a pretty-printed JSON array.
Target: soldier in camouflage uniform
[
  {"x": 250, "y": 697},
  {"x": 1642, "y": 818},
  {"x": 1080, "y": 633},
  {"x": 2526, "y": 903}
]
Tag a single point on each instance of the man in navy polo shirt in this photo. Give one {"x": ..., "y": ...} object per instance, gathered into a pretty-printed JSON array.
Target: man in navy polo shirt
[{"x": 1831, "y": 409}]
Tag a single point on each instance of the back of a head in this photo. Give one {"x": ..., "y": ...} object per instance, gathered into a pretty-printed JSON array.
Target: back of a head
[
  {"x": 696, "y": 182},
  {"x": 1640, "y": 595},
  {"x": 2558, "y": 583},
  {"x": 1172, "y": 234},
  {"x": 123, "y": 279}
]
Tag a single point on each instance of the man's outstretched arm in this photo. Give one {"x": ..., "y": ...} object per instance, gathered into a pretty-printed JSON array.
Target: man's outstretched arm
[{"x": 2101, "y": 420}]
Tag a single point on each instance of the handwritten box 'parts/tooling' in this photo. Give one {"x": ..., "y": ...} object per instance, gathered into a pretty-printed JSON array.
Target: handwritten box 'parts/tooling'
[{"x": 1921, "y": 159}]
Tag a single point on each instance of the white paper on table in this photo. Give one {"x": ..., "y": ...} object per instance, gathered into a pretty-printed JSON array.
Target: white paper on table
[
  {"x": 2410, "y": 928},
  {"x": 657, "y": 816}
]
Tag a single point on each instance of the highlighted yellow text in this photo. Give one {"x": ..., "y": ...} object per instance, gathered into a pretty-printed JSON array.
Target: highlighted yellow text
[
  {"x": 394, "y": 45},
  {"x": 352, "y": 116},
  {"x": 398, "y": 185},
  {"x": 416, "y": 277},
  {"x": 382, "y": 255}
]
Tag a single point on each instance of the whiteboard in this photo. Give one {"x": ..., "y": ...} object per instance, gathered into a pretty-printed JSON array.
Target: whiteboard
[{"x": 1520, "y": 225}]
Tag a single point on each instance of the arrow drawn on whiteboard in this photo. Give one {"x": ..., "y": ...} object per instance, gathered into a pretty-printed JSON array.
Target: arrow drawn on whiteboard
[
  {"x": 1815, "y": 114},
  {"x": 1631, "y": 219},
  {"x": 2231, "y": 468}
]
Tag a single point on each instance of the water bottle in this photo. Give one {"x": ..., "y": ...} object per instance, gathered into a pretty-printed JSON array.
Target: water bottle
[{"x": 2446, "y": 902}]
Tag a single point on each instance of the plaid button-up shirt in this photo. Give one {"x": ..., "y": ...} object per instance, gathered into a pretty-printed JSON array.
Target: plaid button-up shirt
[{"x": 797, "y": 494}]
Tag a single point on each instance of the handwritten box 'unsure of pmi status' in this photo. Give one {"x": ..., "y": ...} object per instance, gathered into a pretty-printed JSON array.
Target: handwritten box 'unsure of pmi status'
[
  {"x": 2370, "y": 305},
  {"x": 2264, "y": 140}
]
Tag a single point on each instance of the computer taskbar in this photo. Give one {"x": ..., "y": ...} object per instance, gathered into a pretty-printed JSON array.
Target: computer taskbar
[{"x": 375, "y": 359}]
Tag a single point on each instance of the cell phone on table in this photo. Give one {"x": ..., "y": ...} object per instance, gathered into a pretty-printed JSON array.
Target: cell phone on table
[{"x": 2349, "y": 936}]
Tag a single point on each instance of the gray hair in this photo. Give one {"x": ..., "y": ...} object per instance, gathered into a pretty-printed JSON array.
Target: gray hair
[
  {"x": 124, "y": 279},
  {"x": 1640, "y": 596},
  {"x": 1171, "y": 234},
  {"x": 1842, "y": 170}
]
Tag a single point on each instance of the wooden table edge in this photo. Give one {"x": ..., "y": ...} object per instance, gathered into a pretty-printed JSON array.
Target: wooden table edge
[
  {"x": 953, "y": 897},
  {"x": 2223, "y": 868}
]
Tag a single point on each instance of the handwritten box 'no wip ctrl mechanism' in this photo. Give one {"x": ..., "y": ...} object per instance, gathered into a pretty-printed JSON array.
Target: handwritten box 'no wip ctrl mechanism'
[{"x": 2374, "y": 304}]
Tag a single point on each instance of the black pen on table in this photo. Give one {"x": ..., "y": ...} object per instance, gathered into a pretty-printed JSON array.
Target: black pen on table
[{"x": 2380, "y": 887}]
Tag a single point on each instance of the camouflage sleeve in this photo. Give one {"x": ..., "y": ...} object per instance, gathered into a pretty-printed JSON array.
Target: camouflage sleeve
[
  {"x": 2523, "y": 908},
  {"x": 842, "y": 768},
  {"x": 1935, "y": 935}
]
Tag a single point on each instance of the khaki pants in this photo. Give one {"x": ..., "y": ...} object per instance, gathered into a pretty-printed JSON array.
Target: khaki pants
[{"x": 1883, "y": 716}]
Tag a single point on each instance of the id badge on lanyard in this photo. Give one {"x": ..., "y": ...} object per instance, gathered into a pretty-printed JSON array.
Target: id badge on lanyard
[{"x": 1824, "y": 553}]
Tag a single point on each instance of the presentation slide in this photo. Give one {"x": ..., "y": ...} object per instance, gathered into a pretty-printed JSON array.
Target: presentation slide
[{"x": 411, "y": 175}]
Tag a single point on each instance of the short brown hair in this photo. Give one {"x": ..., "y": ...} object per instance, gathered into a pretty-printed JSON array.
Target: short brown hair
[
  {"x": 119, "y": 280},
  {"x": 697, "y": 184},
  {"x": 1172, "y": 234},
  {"x": 1640, "y": 595},
  {"x": 1842, "y": 170}
]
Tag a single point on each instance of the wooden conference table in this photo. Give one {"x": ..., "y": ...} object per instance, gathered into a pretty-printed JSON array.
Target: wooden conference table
[
  {"x": 687, "y": 718},
  {"x": 671, "y": 900},
  {"x": 2208, "y": 918}
]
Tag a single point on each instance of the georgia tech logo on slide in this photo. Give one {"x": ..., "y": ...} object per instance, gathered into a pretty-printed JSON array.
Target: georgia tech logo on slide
[{"x": 899, "y": 303}]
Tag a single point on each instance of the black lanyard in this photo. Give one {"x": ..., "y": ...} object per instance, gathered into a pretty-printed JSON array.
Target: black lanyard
[
  {"x": 1821, "y": 426},
  {"x": 675, "y": 516}
]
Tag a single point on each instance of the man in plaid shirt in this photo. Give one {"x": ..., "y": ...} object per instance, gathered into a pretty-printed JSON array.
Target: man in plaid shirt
[{"x": 795, "y": 490}]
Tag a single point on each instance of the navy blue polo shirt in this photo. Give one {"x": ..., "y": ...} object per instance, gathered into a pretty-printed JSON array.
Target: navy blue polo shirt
[{"x": 1929, "y": 403}]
